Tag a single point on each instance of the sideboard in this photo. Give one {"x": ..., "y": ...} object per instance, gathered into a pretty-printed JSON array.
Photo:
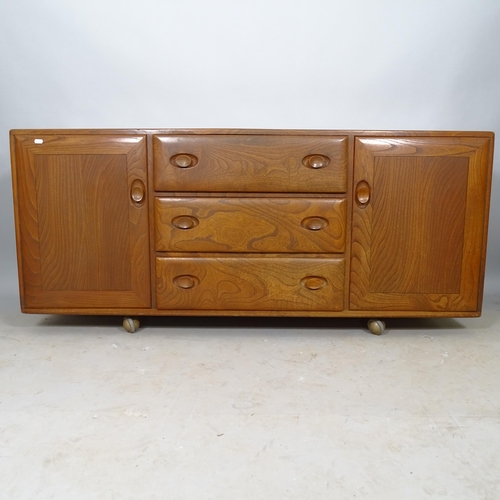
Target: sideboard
[{"x": 370, "y": 224}]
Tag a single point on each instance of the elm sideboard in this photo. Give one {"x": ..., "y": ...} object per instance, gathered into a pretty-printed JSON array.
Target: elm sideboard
[{"x": 370, "y": 224}]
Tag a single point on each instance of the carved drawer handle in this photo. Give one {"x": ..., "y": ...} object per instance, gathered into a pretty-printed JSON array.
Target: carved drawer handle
[
  {"x": 313, "y": 282},
  {"x": 363, "y": 193},
  {"x": 314, "y": 223},
  {"x": 184, "y": 160},
  {"x": 137, "y": 191},
  {"x": 185, "y": 222},
  {"x": 186, "y": 281},
  {"x": 316, "y": 161}
]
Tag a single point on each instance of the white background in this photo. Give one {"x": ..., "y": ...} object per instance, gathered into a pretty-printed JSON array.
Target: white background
[{"x": 362, "y": 64}]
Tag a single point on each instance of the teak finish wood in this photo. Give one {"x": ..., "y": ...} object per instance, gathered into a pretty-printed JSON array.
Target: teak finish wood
[
  {"x": 250, "y": 225},
  {"x": 232, "y": 222}
]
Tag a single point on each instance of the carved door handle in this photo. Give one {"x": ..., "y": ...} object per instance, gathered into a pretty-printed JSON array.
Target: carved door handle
[
  {"x": 316, "y": 161},
  {"x": 186, "y": 281},
  {"x": 363, "y": 194},
  {"x": 313, "y": 282},
  {"x": 137, "y": 191},
  {"x": 184, "y": 160},
  {"x": 314, "y": 223},
  {"x": 185, "y": 222}
]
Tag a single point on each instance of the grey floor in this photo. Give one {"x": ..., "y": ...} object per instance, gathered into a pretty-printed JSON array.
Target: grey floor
[{"x": 249, "y": 408}]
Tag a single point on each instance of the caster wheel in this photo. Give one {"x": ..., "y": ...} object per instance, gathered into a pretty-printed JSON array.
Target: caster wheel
[
  {"x": 376, "y": 326},
  {"x": 131, "y": 325}
]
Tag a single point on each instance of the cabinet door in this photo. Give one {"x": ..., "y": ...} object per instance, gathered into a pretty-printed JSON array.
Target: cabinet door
[
  {"x": 82, "y": 221},
  {"x": 418, "y": 227}
]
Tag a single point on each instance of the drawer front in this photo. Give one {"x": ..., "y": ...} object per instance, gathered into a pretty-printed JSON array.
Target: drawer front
[
  {"x": 299, "y": 225},
  {"x": 246, "y": 283},
  {"x": 250, "y": 163}
]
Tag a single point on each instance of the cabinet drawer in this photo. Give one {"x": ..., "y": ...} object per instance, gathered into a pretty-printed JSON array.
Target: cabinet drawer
[
  {"x": 250, "y": 163},
  {"x": 299, "y": 225},
  {"x": 249, "y": 283}
]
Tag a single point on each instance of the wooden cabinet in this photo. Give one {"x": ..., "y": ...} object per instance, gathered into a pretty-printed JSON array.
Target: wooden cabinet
[{"x": 242, "y": 222}]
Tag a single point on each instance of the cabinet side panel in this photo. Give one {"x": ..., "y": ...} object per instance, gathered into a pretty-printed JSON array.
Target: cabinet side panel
[{"x": 14, "y": 155}]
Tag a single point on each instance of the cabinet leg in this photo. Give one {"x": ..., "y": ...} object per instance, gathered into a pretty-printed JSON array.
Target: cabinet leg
[
  {"x": 376, "y": 326},
  {"x": 131, "y": 324}
]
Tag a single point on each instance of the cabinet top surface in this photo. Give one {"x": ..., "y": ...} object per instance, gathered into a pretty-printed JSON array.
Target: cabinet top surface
[{"x": 231, "y": 131}]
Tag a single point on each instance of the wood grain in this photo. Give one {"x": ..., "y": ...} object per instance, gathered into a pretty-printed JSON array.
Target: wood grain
[
  {"x": 417, "y": 243},
  {"x": 84, "y": 241},
  {"x": 261, "y": 132},
  {"x": 244, "y": 282},
  {"x": 424, "y": 224},
  {"x": 264, "y": 313},
  {"x": 415, "y": 249},
  {"x": 250, "y": 163},
  {"x": 251, "y": 225},
  {"x": 75, "y": 253}
]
